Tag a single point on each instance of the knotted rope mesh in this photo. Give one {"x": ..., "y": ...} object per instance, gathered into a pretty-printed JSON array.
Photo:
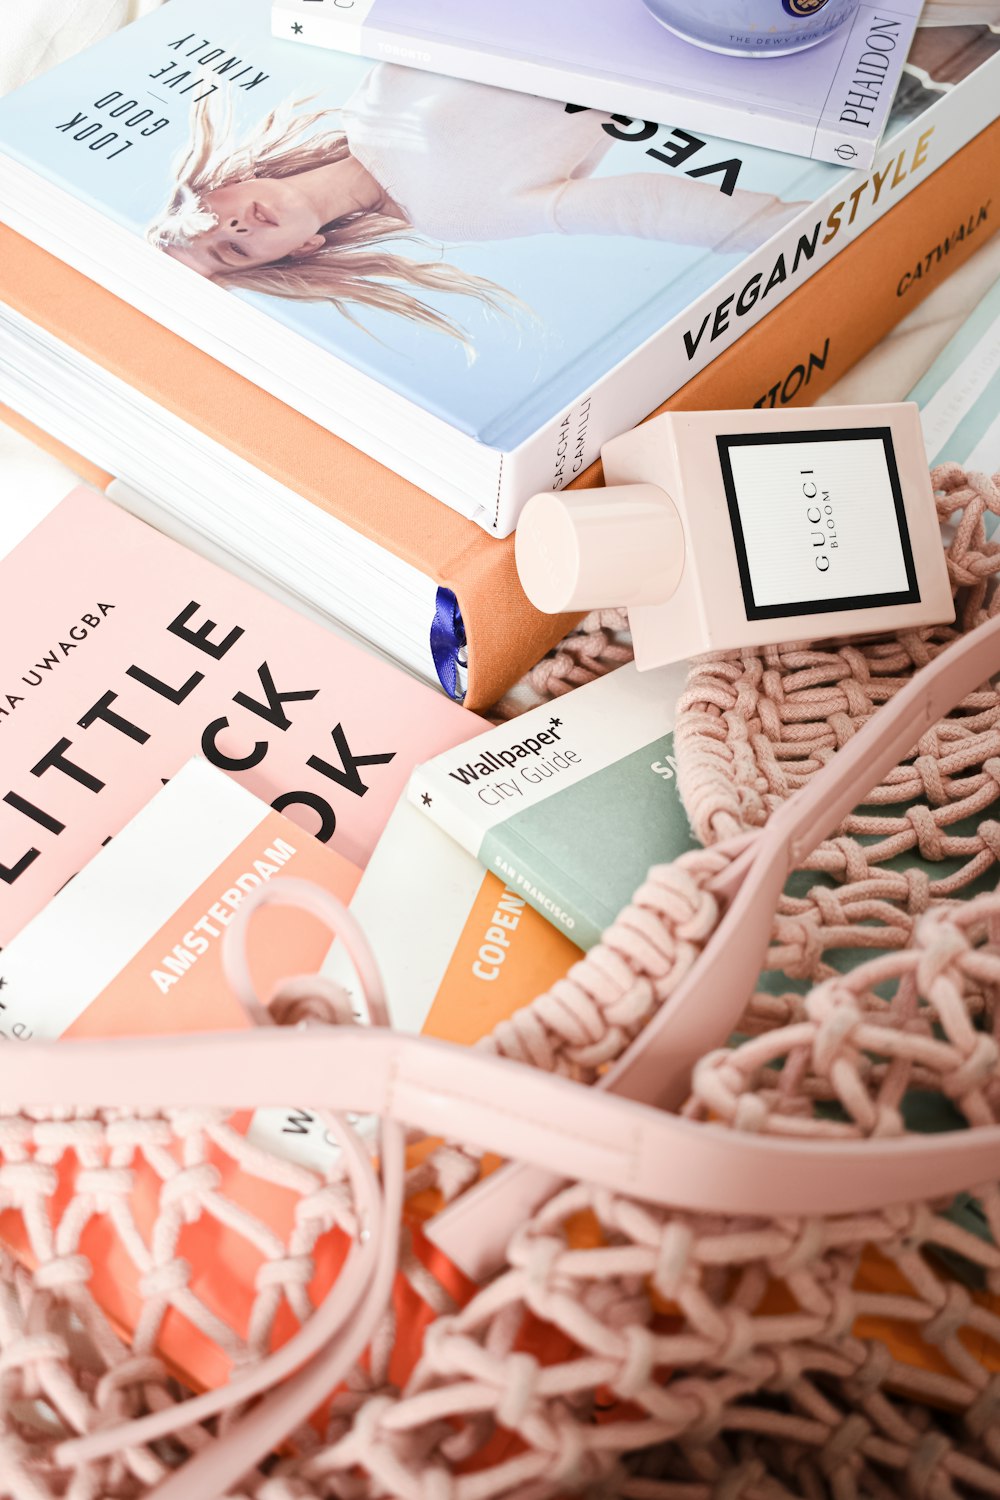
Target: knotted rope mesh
[{"x": 623, "y": 1350}]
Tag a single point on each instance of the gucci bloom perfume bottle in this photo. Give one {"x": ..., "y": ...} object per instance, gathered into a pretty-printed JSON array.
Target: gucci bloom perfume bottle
[
  {"x": 724, "y": 529},
  {"x": 754, "y": 28}
]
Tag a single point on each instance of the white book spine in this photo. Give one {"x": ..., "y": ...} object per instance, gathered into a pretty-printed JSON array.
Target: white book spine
[
  {"x": 571, "y": 441},
  {"x": 853, "y": 114},
  {"x": 824, "y": 137}
]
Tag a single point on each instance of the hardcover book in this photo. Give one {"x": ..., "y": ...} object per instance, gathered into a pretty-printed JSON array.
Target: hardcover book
[
  {"x": 437, "y": 330},
  {"x": 829, "y": 101},
  {"x": 122, "y": 654},
  {"x": 571, "y": 803}
]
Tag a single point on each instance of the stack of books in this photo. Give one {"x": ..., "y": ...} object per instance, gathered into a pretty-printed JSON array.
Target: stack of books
[
  {"x": 360, "y": 416},
  {"x": 319, "y": 320}
]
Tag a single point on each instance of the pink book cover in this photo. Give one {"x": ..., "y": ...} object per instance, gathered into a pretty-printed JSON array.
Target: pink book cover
[{"x": 122, "y": 655}]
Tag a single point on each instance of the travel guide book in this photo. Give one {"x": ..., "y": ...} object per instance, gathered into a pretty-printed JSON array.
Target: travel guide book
[
  {"x": 458, "y": 951},
  {"x": 122, "y": 654},
  {"x": 829, "y": 101},
  {"x": 571, "y": 803},
  {"x": 318, "y": 223},
  {"x": 161, "y": 899}
]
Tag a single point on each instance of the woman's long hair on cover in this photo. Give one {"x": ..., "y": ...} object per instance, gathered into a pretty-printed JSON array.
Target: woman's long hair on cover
[{"x": 352, "y": 267}]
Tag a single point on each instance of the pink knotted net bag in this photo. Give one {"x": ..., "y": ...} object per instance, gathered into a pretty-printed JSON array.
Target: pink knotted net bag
[{"x": 623, "y": 1348}]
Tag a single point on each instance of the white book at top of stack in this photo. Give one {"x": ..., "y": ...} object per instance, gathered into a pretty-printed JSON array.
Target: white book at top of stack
[{"x": 830, "y": 101}]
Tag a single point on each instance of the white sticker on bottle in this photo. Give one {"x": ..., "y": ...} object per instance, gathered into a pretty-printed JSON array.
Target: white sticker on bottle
[{"x": 818, "y": 521}]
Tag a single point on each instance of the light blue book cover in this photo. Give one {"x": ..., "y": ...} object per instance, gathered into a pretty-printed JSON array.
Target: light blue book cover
[{"x": 486, "y": 254}]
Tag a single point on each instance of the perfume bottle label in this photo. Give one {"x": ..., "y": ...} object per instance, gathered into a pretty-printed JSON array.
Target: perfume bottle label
[{"x": 818, "y": 521}]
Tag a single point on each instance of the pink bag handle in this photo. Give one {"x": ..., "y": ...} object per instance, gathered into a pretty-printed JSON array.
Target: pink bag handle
[
  {"x": 499, "y": 1105},
  {"x": 706, "y": 1006},
  {"x": 556, "y": 1127}
]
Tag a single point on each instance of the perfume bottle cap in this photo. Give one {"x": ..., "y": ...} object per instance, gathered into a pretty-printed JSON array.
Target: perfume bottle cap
[{"x": 597, "y": 549}]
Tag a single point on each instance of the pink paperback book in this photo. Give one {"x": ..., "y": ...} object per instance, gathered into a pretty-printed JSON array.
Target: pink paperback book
[{"x": 122, "y": 655}]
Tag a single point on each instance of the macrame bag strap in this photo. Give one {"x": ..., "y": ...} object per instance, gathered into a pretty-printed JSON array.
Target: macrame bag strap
[{"x": 613, "y": 1135}]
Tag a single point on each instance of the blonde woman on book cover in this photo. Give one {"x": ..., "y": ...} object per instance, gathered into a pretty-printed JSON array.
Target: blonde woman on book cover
[{"x": 305, "y": 205}]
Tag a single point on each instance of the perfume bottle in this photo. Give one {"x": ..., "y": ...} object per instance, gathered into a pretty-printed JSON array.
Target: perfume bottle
[
  {"x": 754, "y": 28},
  {"x": 724, "y": 529}
]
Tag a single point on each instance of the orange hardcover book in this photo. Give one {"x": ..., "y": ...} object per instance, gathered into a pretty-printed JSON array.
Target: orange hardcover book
[{"x": 794, "y": 354}]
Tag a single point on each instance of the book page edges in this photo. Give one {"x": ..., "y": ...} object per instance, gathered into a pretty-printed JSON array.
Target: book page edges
[
  {"x": 82, "y": 467},
  {"x": 507, "y": 635}
]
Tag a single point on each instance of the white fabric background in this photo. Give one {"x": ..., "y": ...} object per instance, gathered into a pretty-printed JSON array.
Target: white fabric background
[{"x": 37, "y": 34}]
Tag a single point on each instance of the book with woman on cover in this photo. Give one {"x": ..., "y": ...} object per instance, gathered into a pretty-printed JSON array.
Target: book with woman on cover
[{"x": 482, "y": 343}]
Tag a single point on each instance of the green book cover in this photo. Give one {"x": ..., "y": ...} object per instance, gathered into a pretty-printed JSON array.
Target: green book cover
[{"x": 573, "y": 802}]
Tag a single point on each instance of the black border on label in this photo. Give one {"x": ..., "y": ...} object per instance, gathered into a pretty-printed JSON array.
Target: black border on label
[{"x": 755, "y": 611}]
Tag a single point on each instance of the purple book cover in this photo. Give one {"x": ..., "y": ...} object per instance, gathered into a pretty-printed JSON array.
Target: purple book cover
[{"x": 830, "y": 101}]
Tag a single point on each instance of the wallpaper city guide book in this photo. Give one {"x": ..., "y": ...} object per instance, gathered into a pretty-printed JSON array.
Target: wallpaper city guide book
[
  {"x": 318, "y": 223},
  {"x": 829, "y": 101},
  {"x": 571, "y": 803},
  {"x": 122, "y": 654}
]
